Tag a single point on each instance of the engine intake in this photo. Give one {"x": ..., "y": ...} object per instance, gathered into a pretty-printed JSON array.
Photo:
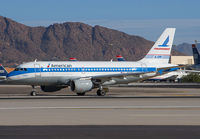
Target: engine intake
[{"x": 81, "y": 86}]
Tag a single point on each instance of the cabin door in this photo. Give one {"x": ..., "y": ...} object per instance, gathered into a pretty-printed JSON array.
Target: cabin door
[
  {"x": 37, "y": 71},
  {"x": 144, "y": 67}
]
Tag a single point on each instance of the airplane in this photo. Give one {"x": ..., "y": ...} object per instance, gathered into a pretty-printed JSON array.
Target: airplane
[
  {"x": 72, "y": 59},
  {"x": 173, "y": 76},
  {"x": 83, "y": 76},
  {"x": 120, "y": 58},
  {"x": 196, "y": 57}
]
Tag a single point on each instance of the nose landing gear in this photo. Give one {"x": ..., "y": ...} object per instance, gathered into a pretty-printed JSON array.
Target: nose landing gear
[{"x": 33, "y": 92}]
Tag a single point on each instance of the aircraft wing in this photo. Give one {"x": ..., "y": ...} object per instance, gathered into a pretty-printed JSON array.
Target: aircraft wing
[
  {"x": 192, "y": 71},
  {"x": 141, "y": 75},
  {"x": 165, "y": 70},
  {"x": 120, "y": 75}
]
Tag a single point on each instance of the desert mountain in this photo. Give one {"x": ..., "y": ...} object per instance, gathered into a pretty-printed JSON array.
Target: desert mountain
[
  {"x": 186, "y": 48},
  {"x": 20, "y": 43}
]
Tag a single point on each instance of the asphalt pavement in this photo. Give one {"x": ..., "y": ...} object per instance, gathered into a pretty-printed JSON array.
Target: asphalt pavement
[
  {"x": 100, "y": 132},
  {"x": 124, "y": 113}
]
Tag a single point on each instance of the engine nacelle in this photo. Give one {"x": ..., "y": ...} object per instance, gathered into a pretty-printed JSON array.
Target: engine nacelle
[
  {"x": 81, "y": 86},
  {"x": 51, "y": 88}
]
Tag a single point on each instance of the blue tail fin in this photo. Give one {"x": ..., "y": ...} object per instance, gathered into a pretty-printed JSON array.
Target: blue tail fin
[
  {"x": 3, "y": 72},
  {"x": 195, "y": 54}
]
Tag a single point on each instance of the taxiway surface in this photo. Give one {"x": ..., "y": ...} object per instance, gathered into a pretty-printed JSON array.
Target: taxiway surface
[
  {"x": 17, "y": 91},
  {"x": 123, "y": 113},
  {"x": 104, "y": 111},
  {"x": 100, "y": 132}
]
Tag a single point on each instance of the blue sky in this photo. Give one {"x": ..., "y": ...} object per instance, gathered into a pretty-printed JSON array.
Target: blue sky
[{"x": 146, "y": 18}]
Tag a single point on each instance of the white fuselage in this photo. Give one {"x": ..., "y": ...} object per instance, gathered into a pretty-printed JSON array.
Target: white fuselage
[{"x": 61, "y": 72}]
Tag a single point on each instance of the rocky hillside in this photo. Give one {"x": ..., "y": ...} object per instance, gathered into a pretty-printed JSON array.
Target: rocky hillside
[
  {"x": 186, "y": 48},
  {"x": 20, "y": 43}
]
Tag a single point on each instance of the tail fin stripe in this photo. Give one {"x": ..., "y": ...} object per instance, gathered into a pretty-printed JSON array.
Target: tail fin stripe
[
  {"x": 161, "y": 48},
  {"x": 157, "y": 56},
  {"x": 161, "y": 54}
]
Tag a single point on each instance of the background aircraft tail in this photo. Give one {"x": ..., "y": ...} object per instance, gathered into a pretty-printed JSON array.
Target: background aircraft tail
[
  {"x": 161, "y": 50},
  {"x": 72, "y": 59},
  {"x": 3, "y": 72},
  {"x": 120, "y": 58},
  {"x": 195, "y": 54}
]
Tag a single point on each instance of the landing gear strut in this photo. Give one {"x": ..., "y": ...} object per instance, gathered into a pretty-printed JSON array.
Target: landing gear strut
[{"x": 33, "y": 92}]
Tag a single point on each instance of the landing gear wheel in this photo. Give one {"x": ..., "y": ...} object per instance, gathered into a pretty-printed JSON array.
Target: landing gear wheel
[
  {"x": 33, "y": 93},
  {"x": 101, "y": 92},
  {"x": 80, "y": 94}
]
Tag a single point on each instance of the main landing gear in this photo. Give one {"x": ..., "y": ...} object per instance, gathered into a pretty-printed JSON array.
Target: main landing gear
[
  {"x": 102, "y": 91},
  {"x": 33, "y": 92}
]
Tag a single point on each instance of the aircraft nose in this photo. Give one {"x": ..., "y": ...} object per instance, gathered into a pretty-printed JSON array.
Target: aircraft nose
[{"x": 11, "y": 76}]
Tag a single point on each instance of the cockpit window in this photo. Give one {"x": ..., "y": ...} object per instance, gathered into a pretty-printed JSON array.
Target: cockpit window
[
  {"x": 21, "y": 69},
  {"x": 17, "y": 69}
]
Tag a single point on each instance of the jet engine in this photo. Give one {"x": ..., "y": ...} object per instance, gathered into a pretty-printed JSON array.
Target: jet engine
[
  {"x": 81, "y": 86},
  {"x": 51, "y": 88}
]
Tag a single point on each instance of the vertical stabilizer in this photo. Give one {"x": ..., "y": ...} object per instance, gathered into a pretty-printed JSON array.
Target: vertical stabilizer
[
  {"x": 120, "y": 58},
  {"x": 3, "y": 72},
  {"x": 196, "y": 55},
  {"x": 161, "y": 50}
]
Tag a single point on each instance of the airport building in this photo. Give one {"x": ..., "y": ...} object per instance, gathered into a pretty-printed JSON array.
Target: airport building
[{"x": 182, "y": 60}]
